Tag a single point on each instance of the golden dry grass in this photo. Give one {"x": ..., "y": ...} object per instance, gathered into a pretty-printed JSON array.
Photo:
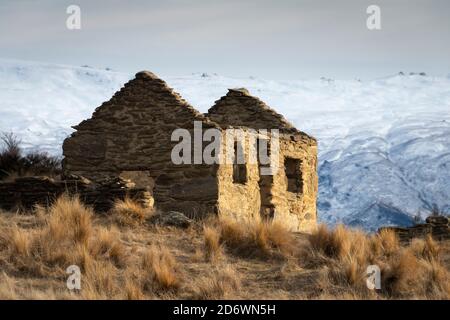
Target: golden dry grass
[
  {"x": 219, "y": 259},
  {"x": 129, "y": 213},
  {"x": 223, "y": 284},
  {"x": 255, "y": 237},
  {"x": 213, "y": 248},
  {"x": 408, "y": 272},
  {"x": 160, "y": 269}
]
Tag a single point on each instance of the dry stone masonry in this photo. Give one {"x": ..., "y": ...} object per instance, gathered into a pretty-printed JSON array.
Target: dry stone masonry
[
  {"x": 130, "y": 136},
  {"x": 436, "y": 226},
  {"x": 269, "y": 196},
  {"x": 25, "y": 193},
  {"x": 128, "y": 140}
]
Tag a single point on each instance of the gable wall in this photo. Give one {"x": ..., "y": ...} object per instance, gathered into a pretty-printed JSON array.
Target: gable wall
[
  {"x": 132, "y": 132},
  {"x": 238, "y": 108},
  {"x": 298, "y": 211}
]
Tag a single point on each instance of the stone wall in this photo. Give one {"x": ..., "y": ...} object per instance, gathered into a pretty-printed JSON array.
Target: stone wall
[
  {"x": 132, "y": 133},
  {"x": 130, "y": 136},
  {"x": 25, "y": 193},
  {"x": 436, "y": 226},
  {"x": 239, "y": 108},
  {"x": 297, "y": 209},
  {"x": 241, "y": 200}
]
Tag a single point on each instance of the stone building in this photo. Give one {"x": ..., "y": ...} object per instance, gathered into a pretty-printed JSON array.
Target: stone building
[{"x": 130, "y": 136}]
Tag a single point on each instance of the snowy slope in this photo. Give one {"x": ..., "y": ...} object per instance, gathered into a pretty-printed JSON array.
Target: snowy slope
[
  {"x": 384, "y": 145},
  {"x": 40, "y": 102}
]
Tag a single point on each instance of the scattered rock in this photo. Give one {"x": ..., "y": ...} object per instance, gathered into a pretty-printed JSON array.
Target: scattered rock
[
  {"x": 171, "y": 218},
  {"x": 26, "y": 192},
  {"x": 437, "y": 220}
]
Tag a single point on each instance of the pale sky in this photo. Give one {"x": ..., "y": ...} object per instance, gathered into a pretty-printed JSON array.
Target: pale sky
[{"x": 272, "y": 39}]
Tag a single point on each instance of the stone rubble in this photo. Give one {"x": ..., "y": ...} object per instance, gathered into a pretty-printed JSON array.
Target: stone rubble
[
  {"x": 26, "y": 192},
  {"x": 436, "y": 226}
]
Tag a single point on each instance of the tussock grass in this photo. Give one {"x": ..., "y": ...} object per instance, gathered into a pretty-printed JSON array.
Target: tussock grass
[
  {"x": 237, "y": 259},
  {"x": 255, "y": 237},
  {"x": 129, "y": 213},
  {"x": 406, "y": 272},
  {"x": 223, "y": 283},
  {"x": 64, "y": 236},
  {"x": 387, "y": 242},
  {"x": 107, "y": 244},
  {"x": 20, "y": 242},
  {"x": 427, "y": 249},
  {"x": 213, "y": 247},
  {"x": 160, "y": 269},
  {"x": 68, "y": 218}
]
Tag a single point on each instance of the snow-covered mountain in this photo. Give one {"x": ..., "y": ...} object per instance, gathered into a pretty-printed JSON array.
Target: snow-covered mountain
[{"x": 384, "y": 145}]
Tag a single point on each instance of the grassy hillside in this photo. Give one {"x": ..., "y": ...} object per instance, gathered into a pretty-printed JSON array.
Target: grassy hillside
[{"x": 123, "y": 256}]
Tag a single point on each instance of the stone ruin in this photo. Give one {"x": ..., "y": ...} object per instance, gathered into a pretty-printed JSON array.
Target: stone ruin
[
  {"x": 24, "y": 193},
  {"x": 128, "y": 139},
  {"x": 436, "y": 226}
]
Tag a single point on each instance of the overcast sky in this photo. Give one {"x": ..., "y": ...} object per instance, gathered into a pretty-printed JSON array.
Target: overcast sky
[{"x": 274, "y": 39}]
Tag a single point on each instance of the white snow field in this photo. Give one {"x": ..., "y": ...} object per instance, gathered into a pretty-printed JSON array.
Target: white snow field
[{"x": 384, "y": 144}]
